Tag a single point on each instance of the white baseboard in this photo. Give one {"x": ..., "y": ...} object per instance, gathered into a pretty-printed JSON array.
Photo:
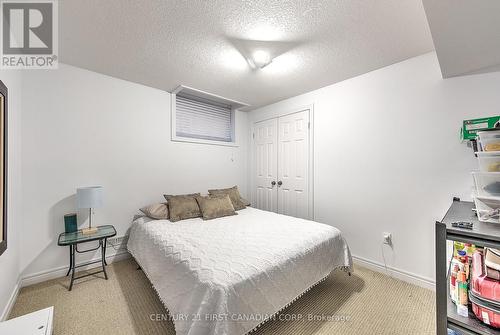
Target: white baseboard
[
  {"x": 61, "y": 271},
  {"x": 42, "y": 276},
  {"x": 10, "y": 303},
  {"x": 406, "y": 276}
]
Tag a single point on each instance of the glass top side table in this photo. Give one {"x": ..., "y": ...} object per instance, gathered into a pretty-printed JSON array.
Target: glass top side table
[{"x": 73, "y": 239}]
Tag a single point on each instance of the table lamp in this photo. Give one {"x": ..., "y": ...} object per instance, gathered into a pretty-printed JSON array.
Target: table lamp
[{"x": 89, "y": 197}]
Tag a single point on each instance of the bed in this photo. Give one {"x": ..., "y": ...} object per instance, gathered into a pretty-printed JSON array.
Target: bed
[{"x": 231, "y": 274}]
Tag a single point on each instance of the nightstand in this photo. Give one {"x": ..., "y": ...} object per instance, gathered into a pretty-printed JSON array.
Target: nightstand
[{"x": 73, "y": 239}]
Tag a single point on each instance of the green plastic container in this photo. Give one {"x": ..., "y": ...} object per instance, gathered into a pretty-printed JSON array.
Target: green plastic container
[{"x": 70, "y": 225}]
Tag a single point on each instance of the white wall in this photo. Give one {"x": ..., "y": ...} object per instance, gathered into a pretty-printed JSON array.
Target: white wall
[
  {"x": 81, "y": 128},
  {"x": 387, "y": 155},
  {"x": 9, "y": 260}
]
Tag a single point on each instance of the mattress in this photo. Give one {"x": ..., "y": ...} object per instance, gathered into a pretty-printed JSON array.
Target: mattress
[{"x": 228, "y": 275}]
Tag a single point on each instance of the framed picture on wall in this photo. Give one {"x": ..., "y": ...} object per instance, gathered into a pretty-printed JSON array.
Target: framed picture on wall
[{"x": 3, "y": 167}]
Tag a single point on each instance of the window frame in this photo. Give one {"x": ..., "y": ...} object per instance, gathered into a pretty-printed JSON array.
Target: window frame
[{"x": 207, "y": 96}]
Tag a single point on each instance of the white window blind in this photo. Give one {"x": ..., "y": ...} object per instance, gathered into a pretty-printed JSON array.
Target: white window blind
[{"x": 203, "y": 119}]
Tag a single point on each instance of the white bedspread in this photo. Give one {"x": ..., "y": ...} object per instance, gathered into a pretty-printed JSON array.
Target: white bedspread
[{"x": 226, "y": 276}]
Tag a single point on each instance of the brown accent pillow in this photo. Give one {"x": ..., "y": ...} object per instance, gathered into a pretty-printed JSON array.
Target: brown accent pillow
[
  {"x": 215, "y": 206},
  {"x": 183, "y": 207},
  {"x": 234, "y": 195},
  {"x": 156, "y": 211}
]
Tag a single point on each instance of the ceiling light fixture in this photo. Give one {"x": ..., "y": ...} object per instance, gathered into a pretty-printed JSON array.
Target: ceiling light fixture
[
  {"x": 260, "y": 59},
  {"x": 259, "y": 54}
]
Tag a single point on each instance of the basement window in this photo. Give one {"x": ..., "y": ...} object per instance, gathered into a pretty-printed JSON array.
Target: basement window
[{"x": 203, "y": 118}]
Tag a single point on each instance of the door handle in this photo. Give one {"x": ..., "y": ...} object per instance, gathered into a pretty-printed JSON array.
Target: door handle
[
  {"x": 280, "y": 183},
  {"x": 273, "y": 183}
]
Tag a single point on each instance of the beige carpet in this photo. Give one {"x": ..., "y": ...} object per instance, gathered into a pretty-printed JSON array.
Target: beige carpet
[{"x": 365, "y": 303}]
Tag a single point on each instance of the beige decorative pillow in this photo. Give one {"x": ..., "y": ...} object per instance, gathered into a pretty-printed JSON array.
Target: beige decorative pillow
[
  {"x": 183, "y": 207},
  {"x": 187, "y": 195},
  {"x": 234, "y": 195},
  {"x": 215, "y": 206},
  {"x": 156, "y": 211},
  {"x": 245, "y": 202}
]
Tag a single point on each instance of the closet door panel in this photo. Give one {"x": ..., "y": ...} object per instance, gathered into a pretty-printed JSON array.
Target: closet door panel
[
  {"x": 266, "y": 164},
  {"x": 293, "y": 164}
]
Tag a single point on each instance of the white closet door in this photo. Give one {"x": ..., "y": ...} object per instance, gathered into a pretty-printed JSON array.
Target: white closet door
[
  {"x": 266, "y": 159},
  {"x": 293, "y": 164}
]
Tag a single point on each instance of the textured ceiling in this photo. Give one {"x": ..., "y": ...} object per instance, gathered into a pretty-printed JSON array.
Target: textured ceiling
[
  {"x": 466, "y": 35},
  {"x": 164, "y": 44}
]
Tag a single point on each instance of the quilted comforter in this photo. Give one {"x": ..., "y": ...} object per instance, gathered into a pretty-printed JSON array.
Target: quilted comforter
[{"x": 228, "y": 275}]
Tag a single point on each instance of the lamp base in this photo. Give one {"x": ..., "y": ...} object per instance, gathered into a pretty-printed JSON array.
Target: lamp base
[{"x": 89, "y": 231}]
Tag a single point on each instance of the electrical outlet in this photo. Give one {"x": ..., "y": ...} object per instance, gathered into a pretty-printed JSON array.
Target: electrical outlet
[
  {"x": 387, "y": 238},
  {"x": 117, "y": 242}
]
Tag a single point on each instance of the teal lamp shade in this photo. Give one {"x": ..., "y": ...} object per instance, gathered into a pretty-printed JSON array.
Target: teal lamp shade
[{"x": 89, "y": 197}]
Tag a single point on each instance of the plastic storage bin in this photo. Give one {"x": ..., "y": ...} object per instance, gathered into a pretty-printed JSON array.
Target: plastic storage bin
[
  {"x": 489, "y": 161},
  {"x": 484, "y": 293},
  {"x": 488, "y": 209},
  {"x": 487, "y": 184},
  {"x": 490, "y": 140}
]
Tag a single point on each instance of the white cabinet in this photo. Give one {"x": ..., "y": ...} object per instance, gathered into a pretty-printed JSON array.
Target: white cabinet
[{"x": 36, "y": 323}]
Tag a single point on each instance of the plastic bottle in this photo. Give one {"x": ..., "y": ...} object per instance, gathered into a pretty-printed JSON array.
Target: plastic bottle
[
  {"x": 453, "y": 282},
  {"x": 462, "y": 298},
  {"x": 453, "y": 287}
]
